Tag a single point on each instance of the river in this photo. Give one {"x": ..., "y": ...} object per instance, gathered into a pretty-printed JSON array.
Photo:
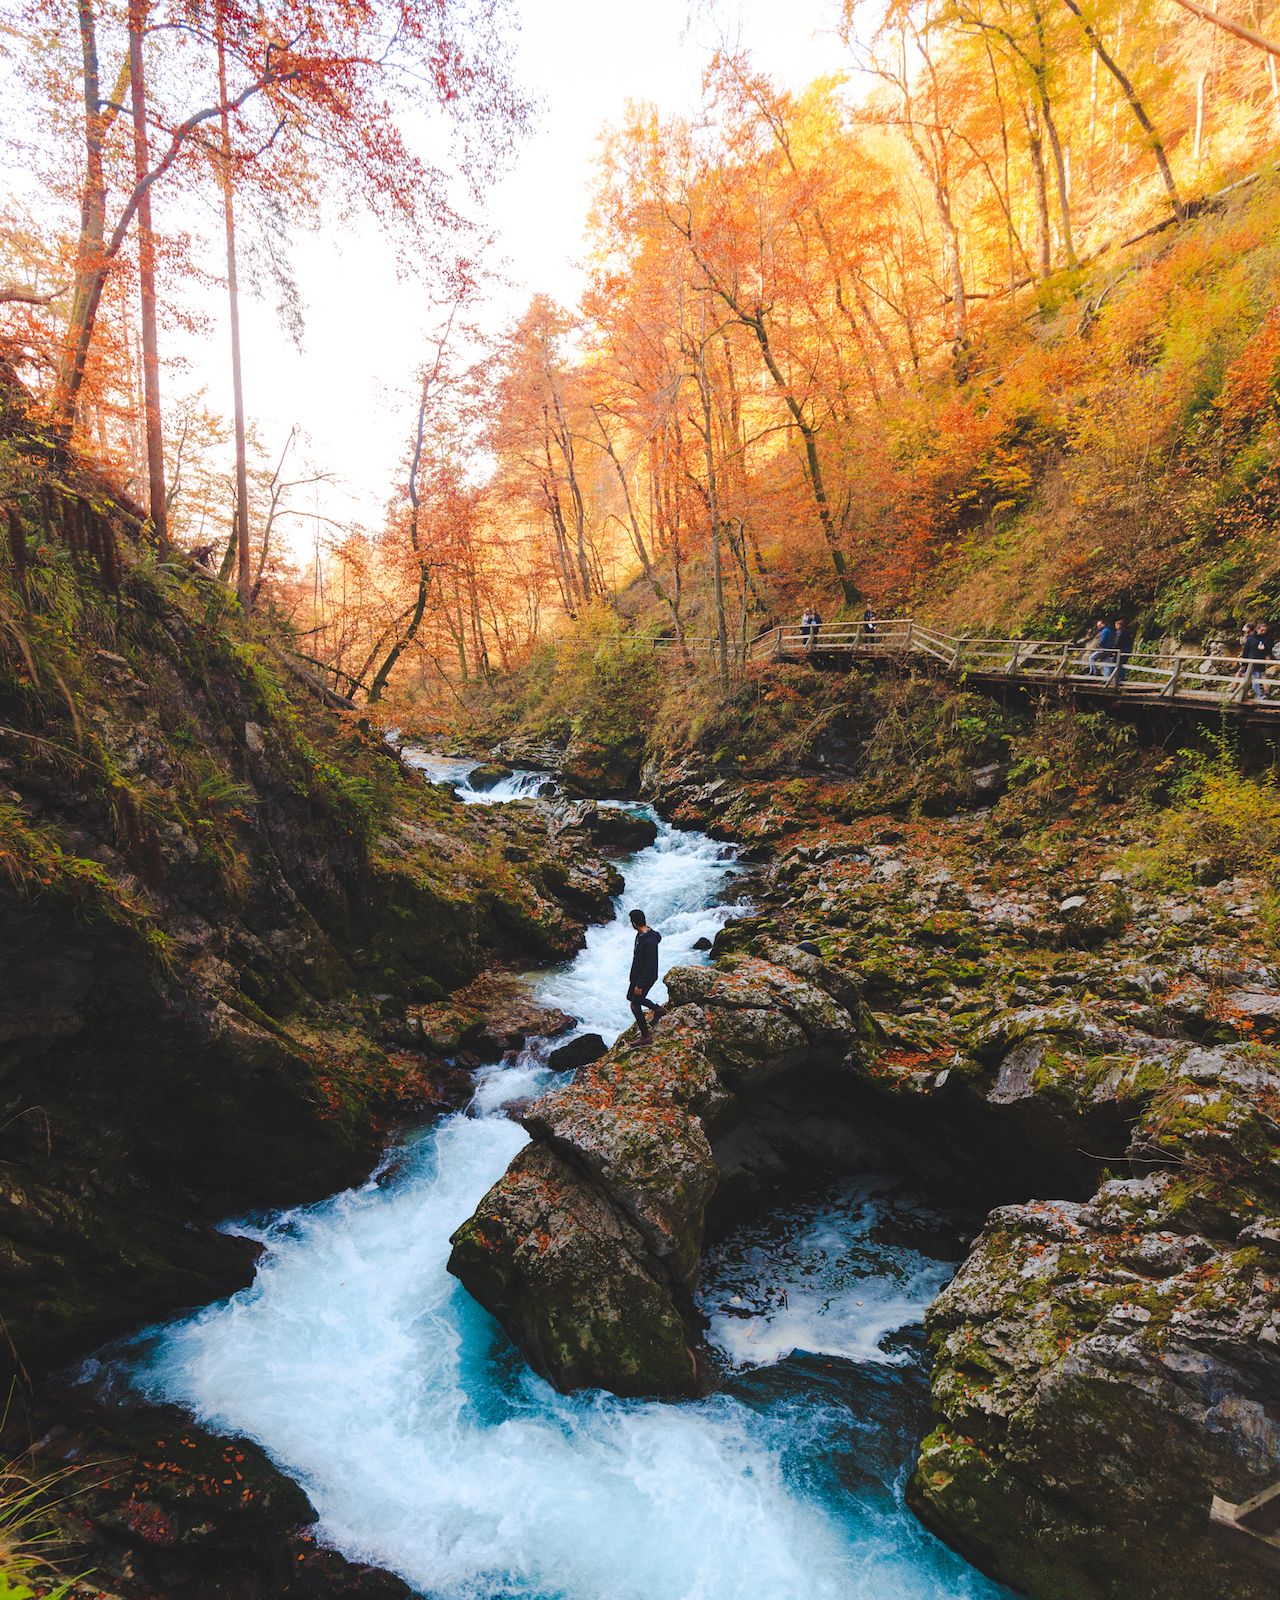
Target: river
[{"x": 369, "y": 1375}]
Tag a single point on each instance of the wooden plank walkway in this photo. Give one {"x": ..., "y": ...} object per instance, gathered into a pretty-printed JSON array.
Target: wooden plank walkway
[{"x": 1152, "y": 678}]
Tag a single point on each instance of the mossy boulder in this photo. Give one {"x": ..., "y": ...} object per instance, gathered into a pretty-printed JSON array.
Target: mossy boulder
[
  {"x": 569, "y": 1277},
  {"x": 1103, "y": 1368},
  {"x": 488, "y": 775},
  {"x": 607, "y": 1209},
  {"x": 615, "y": 829}
]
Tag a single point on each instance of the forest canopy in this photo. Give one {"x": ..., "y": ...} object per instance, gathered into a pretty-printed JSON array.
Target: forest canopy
[{"x": 831, "y": 341}]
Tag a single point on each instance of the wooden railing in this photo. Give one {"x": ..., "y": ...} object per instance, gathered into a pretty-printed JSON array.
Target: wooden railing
[{"x": 1175, "y": 675}]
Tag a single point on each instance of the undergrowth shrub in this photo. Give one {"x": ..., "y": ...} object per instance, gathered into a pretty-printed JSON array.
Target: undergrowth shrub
[
  {"x": 1222, "y": 822},
  {"x": 1069, "y": 757}
]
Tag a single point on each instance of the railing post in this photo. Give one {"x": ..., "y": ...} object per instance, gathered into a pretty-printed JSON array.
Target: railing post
[
  {"x": 1240, "y": 695},
  {"x": 906, "y": 643},
  {"x": 1171, "y": 688},
  {"x": 1013, "y": 659},
  {"x": 1062, "y": 661},
  {"x": 957, "y": 655}
]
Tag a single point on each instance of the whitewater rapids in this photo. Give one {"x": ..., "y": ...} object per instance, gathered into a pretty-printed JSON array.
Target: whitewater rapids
[{"x": 369, "y": 1375}]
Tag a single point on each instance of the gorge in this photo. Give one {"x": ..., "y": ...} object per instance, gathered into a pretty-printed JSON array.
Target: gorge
[{"x": 368, "y": 1376}]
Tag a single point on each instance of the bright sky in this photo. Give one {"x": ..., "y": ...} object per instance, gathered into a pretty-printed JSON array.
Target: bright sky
[{"x": 582, "y": 59}]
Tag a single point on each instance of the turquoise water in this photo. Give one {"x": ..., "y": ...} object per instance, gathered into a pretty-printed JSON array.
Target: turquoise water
[{"x": 369, "y": 1375}]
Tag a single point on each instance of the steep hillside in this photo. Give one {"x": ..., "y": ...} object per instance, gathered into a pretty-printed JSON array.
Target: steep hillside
[
  {"x": 1109, "y": 444},
  {"x": 217, "y": 899},
  {"x": 1116, "y": 445}
]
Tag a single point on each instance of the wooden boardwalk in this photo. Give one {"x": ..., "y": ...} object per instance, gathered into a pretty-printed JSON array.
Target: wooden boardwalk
[{"x": 1158, "y": 679}]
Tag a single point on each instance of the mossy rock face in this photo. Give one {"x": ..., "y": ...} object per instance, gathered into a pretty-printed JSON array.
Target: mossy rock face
[
  {"x": 1103, "y": 1368},
  {"x": 1099, "y": 914},
  {"x": 205, "y": 881},
  {"x": 616, "y": 829},
  {"x": 565, "y": 1273},
  {"x": 595, "y": 767}
]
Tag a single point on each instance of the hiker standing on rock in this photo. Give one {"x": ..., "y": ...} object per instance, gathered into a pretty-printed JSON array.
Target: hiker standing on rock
[{"x": 644, "y": 972}]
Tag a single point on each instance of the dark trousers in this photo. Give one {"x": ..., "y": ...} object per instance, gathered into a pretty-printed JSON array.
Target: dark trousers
[{"x": 637, "y": 1002}]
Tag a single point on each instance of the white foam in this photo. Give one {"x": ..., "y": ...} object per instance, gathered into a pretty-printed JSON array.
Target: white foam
[
  {"x": 456, "y": 773},
  {"x": 813, "y": 1279}
]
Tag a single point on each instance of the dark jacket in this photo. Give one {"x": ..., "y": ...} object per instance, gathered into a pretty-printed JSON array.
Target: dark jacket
[
  {"x": 1107, "y": 638},
  {"x": 644, "y": 964},
  {"x": 1257, "y": 647},
  {"x": 1124, "y": 640}
]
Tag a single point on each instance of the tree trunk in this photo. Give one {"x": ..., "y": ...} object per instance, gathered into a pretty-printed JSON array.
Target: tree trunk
[
  {"x": 1039, "y": 188},
  {"x": 147, "y": 281},
  {"x": 817, "y": 486},
  {"x": 1135, "y": 105},
  {"x": 1007, "y": 200},
  {"x": 90, "y": 269},
  {"x": 406, "y": 638},
  {"x": 713, "y": 513},
  {"x": 244, "y": 580},
  {"x": 1259, "y": 41},
  {"x": 637, "y": 536}
]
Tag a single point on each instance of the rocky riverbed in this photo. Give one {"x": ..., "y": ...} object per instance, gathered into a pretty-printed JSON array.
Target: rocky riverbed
[{"x": 1029, "y": 1025}]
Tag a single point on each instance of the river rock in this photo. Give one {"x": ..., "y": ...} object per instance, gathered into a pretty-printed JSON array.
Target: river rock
[
  {"x": 570, "y": 1279},
  {"x": 494, "y": 1013},
  {"x": 618, "y": 830},
  {"x": 1102, "y": 1369},
  {"x": 607, "y": 1209},
  {"x": 148, "y": 1503},
  {"x": 579, "y": 1052},
  {"x": 488, "y": 775}
]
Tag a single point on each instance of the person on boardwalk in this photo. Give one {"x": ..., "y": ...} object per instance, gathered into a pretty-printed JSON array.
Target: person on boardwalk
[
  {"x": 1103, "y": 652},
  {"x": 815, "y": 622},
  {"x": 1255, "y": 653},
  {"x": 869, "y": 629},
  {"x": 1124, "y": 649},
  {"x": 644, "y": 973}
]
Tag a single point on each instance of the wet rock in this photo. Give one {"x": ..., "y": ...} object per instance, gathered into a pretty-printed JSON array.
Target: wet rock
[
  {"x": 615, "y": 829},
  {"x": 494, "y": 1013},
  {"x": 610, "y": 1201},
  {"x": 579, "y": 1052},
  {"x": 149, "y": 1503},
  {"x": 1102, "y": 1369},
  {"x": 571, "y": 1280},
  {"x": 488, "y": 775}
]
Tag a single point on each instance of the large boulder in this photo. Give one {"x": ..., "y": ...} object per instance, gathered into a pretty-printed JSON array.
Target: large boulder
[
  {"x": 1103, "y": 1369},
  {"x": 615, "y": 829},
  {"x": 488, "y": 775},
  {"x": 579, "y": 1052},
  {"x": 588, "y": 1249}
]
